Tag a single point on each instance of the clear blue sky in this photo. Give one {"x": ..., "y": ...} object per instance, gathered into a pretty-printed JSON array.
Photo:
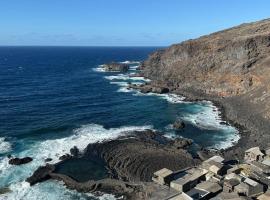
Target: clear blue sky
[{"x": 120, "y": 22}]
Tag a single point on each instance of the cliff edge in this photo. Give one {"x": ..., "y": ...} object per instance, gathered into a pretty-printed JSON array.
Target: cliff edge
[{"x": 231, "y": 67}]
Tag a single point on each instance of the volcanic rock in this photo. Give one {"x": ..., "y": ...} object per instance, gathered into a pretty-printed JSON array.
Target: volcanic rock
[
  {"x": 65, "y": 157},
  {"x": 41, "y": 174},
  {"x": 19, "y": 161},
  {"x": 116, "y": 67},
  {"x": 179, "y": 124},
  {"x": 74, "y": 151},
  {"x": 230, "y": 67},
  {"x": 155, "y": 152}
]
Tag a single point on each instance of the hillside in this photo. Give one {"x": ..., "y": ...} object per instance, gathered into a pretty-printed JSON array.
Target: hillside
[{"x": 231, "y": 67}]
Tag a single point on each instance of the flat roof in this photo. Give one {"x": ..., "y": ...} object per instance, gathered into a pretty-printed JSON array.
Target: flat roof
[
  {"x": 251, "y": 182},
  {"x": 192, "y": 174},
  {"x": 255, "y": 150},
  {"x": 209, "y": 186},
  {"x": 163, "y": 172},
  {"x": 197, "y": 193}
]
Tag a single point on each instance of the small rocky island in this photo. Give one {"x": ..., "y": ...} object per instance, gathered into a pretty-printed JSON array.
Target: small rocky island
[{"x": 115, "y": 67}]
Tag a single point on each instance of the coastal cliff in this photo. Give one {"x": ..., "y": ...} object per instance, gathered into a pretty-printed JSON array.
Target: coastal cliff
[{"x": 230, "y": 67}]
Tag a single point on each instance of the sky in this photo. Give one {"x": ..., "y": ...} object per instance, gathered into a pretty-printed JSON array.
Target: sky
[{"x": 120, "y": 22}]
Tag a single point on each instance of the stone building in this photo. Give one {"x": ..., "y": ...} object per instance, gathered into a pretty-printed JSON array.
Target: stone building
[
  {"x": 163, "y": 176},
  {"x": 249, "y": 188},
  {"x": 253, "y": 154},
  {"x": 229, "y": 185},
  {"x": 188, "y": 180}
]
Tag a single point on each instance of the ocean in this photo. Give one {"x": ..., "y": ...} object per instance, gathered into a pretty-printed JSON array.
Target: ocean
[{"x": 54, "y": 98}]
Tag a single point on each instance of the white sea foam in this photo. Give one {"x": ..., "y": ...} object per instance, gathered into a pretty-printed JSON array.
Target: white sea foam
[
  {"x": 39, "y": 151},
  {"x": 171, "y": 98},
  {"x": 126, "y": 77},
  {"x": 47, "y": 191},
  {"x": 5, "y": 146},
  {"x": 100, "y": 68},
  {"x": 130, "y": 62},
  {"x": 133, "y": 68},
  {"x": 205, "y": 116}
]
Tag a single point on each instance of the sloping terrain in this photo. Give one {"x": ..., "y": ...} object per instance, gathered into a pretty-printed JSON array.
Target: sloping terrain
[{"x": 231, "y": 67}]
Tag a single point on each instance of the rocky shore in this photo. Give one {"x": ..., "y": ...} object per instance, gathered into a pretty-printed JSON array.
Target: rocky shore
[
  {"x": 229, "y": 68},
  {"x": 130, "y": 161}
]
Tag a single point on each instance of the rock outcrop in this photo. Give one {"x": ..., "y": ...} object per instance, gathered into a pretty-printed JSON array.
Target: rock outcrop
[
  {"x": 131, "y": 161},
  {"x": 147, "y": 88},
  {"x": 41, "y": 174},
  {"x": 179, "y": 124},
  {"x": 19, "y": 161},
  {"x": 230, "y": 67},
  {"x": 116, "y": 67},
  {"x": 137, "y": 156}
]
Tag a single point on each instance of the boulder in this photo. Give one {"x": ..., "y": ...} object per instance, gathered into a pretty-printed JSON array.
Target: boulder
[
  {"x": 19, "y": 161},
  {"x": 179, "y": 124}
]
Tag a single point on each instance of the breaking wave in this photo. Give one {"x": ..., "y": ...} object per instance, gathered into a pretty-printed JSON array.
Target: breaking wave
[
  {"x": 14, "y": 176},
  {"x": 5, "y": 146}
]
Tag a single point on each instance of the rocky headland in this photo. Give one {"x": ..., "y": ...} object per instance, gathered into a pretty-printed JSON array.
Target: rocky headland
[
  {"x": 230, "y": 68},
  {"x": 130, "y": 162}
]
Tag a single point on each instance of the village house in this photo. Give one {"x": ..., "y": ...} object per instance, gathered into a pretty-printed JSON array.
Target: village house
[
  {"x": 235, "y": 169},
  {"x": 211, "y": 188},
  {"x": 228, "y": 196},
  {"x": 229, "y": 185},
  {"x": 216, "y": 179},
  {"x": 188, "y": 179},
  {"x": 163, "y": 176},
  {"x": 249, "y": 188},
  {"x": 215, "y": 165},
  {"x": 181, "y": 196},
  {"x": 253, "y": 154}
]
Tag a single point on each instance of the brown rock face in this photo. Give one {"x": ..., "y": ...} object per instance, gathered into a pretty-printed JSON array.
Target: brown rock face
[
  {"x": 231, "y": 62},
  {"x": 232, "y": 66}
]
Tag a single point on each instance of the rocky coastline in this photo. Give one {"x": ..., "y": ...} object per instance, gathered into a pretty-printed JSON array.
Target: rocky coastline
[
  {"x": 236, "y": 151},
  {"x": 190, "y": 70},
  {"x": 228, "y": 68},
  {"x": 130, "y": 161}
]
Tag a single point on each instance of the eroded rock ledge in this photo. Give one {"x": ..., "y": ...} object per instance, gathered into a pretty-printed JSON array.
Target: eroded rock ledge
[{"x": 131, "y": 160}]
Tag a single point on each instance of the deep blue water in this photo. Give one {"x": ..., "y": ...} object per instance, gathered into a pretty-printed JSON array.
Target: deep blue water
[{"x": 52, "y": 98}]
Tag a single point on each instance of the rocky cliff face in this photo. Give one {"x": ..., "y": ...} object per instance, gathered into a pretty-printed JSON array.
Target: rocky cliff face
[{"x": 232, "y": 64}]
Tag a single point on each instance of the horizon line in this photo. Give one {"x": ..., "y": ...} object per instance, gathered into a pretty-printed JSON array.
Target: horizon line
[{"x": 80, "y": 46}]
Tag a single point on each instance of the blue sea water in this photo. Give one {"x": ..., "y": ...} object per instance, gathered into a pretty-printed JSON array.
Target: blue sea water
[{"x": 53, "y": 98}]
